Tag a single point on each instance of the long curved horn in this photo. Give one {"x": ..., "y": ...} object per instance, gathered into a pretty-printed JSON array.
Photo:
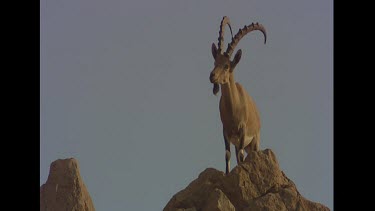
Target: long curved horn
[
  {"x": 221, "y": 33},
  {"x": 241, "y": 33}
]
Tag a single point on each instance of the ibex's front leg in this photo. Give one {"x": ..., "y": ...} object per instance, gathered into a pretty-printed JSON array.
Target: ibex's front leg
[
  {"x": 227, "y": 154},
  {"x": 241, "y": 152},
  {"x": 237, "y": 150}
]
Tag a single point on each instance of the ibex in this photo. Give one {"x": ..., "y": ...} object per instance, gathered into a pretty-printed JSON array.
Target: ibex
[{"x": 238, "y": 113}]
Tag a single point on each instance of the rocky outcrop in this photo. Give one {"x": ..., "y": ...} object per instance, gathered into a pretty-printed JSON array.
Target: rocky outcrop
[
  {"x": 64, "y": 189},
  {"x": 257, "y": 184}
]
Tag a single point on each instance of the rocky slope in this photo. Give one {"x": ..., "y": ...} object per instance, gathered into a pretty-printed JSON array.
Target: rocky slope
[
  {"x": 64, "y": 189},
  {"x": 257, "y": 184}
]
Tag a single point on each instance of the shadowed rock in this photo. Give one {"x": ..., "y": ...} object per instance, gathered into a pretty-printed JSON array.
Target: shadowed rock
[
  {"x": 64, "y": 189},
  {"x": 257, "y": 184}
]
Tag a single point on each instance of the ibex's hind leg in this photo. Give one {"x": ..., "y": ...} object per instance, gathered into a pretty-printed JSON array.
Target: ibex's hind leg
[
  {"x": 254, "y": 144},
  {"x": 227, "y": 154}
]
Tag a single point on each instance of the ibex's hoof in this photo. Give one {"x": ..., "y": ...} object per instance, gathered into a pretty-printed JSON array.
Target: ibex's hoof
[
  {"x": 242, "y": 158},
  {"x": 241, "y": 155}
]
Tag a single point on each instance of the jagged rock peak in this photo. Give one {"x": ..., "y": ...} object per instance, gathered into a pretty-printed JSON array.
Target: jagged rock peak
[
  {"x": 257, "y": 184},
  {"x": 64, "y": 189}
]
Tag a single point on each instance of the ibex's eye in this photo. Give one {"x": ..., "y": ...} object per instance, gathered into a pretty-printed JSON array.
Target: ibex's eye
[{"x": 226, "y": 67}]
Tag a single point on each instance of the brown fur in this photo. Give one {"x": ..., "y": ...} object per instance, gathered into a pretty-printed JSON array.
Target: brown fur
[{"x": 238, "y": 112}]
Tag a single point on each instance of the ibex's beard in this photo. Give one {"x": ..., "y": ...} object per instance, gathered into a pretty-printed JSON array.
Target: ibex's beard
[{"x": 216, "y": 88}]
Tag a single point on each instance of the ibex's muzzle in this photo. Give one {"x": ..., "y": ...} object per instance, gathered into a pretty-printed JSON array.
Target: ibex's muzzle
[
  {"x": 213, "y": 80},
  {"x": 212, "y": 77}
]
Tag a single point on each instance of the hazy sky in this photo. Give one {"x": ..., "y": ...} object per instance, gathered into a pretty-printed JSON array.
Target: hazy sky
[{"x": 125, "y": 90}]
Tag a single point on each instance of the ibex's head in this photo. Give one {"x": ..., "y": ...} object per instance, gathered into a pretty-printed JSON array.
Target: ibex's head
[{"x": 223, "y": 65}]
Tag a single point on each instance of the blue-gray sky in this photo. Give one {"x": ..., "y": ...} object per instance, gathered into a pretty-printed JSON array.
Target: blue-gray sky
[{"x": 125, "y": 90}]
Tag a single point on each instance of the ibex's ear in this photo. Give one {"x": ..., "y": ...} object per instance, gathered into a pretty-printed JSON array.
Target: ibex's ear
[
  {"x": 236, "y": 59},
  {"x": 214, "y": 50}
]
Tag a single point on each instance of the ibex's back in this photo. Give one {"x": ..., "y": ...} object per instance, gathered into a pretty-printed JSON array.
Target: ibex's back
[{"x": 238, "y": 112}]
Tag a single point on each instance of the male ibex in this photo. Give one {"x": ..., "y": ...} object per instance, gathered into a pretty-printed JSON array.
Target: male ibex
[{"x": 238, "y": 113}]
